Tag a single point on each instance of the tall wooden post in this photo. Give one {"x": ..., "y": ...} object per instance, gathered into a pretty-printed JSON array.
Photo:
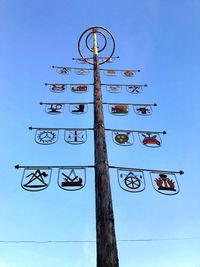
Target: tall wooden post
[{"x": 107, "y": 255}]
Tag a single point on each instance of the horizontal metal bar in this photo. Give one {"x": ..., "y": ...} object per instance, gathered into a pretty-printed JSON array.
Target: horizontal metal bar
[
  {"x": 77, "y": 58},
  {"x": 122, "y": 70},
  {"x": 73, "y": 68},
  {"x": 105, "y": 103},
  {"x": 149, "y": 170},
  {"x": 133, "y": 104},
  {"x": 68, "y": 84},
  {"x": 92, "y": 166},
  {"x": 63, "y": 103},
  {"x": 124, "y": 84},
  {"x": 51, "y": 167},
  {"x": 90, "y": 129},
  {"x": 56, "y": 128},
  {"x": 109, "y": 84},
  {"x": 136, "y": 131}
]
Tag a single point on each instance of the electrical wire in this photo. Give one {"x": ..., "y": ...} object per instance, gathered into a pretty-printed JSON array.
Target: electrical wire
[{"x": 93, "y": 241}]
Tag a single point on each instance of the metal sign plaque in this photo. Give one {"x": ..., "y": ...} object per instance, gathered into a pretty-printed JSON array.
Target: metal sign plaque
[
  {"x": 71, "y": 179},
  {"x": 123, "y": 138},
  {"x": 80, "y": 60},
  {"x": 46, "y": 137},
  {"x": 134, "y": 89},
  {"x": 75, "y": 136},
  {"x": 36, "y": 179},
  {"x": 54, "y": 109},
  {"x": 110, "y": 73},
  {"x": 78, "y": 108},
  {"x": 118, "y": 109},
  {"x": 128, "y": 73},
  {"x": 131, "y": 180},
  {"x": 58, "y": 88},
  {"x": 114, "y": 88},
  {"x": 82, "y": 71},
  {"x": 81, "y": 88},
  {"x": 143, "y": 110},
  {"x": 165, "y": 183},
  {"x": 150, "y": 139},
  {"x": 63, "y": 70}
]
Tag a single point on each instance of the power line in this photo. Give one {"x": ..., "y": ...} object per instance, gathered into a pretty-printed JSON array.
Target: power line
[{"x": 93, "y": 241}]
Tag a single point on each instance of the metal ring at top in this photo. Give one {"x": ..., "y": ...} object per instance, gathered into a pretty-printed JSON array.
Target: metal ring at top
[
  {"x": 107, "y": 58},
  {"x": 99, "y": 50}
]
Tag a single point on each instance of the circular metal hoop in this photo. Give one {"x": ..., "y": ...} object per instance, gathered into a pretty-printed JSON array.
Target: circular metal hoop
[
  {"x": 91, "y": 30},
  {"x": 99, "y": 50}
]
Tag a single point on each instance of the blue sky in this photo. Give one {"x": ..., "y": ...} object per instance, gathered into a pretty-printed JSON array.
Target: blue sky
[{"x": 162, "y": 39}]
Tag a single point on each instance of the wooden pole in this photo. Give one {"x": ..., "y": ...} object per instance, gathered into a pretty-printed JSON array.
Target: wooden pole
[{"x": 107, "y": 255}]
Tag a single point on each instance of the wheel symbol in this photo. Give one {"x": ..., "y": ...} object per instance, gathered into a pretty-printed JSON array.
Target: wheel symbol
[{"x": 132, "y": 181}]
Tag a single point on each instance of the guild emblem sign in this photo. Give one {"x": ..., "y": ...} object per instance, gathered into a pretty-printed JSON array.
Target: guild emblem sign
[
  {"x": 57, "y": 88},
  {"x": 150, "y": 139},
  {"x": 123, "y": 138},
  {"x": 110, "y": 73},
  {"x": 80, "y": 60},
  {"x": 75, "y": 136},
  {"x": 54, "y": 109},
  {"x": 36, "y": 179},
  {"x": 79, "y": 88},
  {"x": 114, "y": 88},
  {"x": 143, "y": 110},
  {"x": 128, "y": 73},
  {"x": 79, "y": 108},
  {"x": 134, "y": 89},
  {"x": 165, "y": 183},
  {"x": 71, "y": 179},
  {"x": 63, "y": 70},
  {"x": 81, "y": 71},
  {"x": 118, "y": 109},
  {"x": 131, "y": 180},
  {"x": 46, "y": 137}
]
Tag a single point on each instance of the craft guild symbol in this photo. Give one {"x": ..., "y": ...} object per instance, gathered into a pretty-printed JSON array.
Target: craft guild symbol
[
  {"x": 114, "y": 88},
  {"x": 79, "y": 88},
  {"x": 123, "y": 138},
  {"x": 110, "y": 72},
  {"x": 119, "y": 109},
  {"x": 63, "y": 70},
  {"x": 75, "y": 137},
  {"x": 37, "y": 179},
  {"x": 81, "y": 71},
  {"x": 71, "y": 179},
  {"x": 54, "y": 109},
  {"x": 165, "y": 183},
  {"x": 134, "y": 89},
  {"x": 80, "y": 61},
  {"x": 151, "y": 140},
  {"x": 78, "y": 109},
  {"x": 57, "y": 88},
  {"x": 132, "y": 181},
  {"x": 143, "y": 110},
  {"x": 46, "y": 137},
  {"x": 128, "y": 73}
]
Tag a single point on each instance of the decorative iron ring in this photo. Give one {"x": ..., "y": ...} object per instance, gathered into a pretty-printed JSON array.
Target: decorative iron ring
[
  {"x": 86, "y": 42},
  {"x": 89, "y": 29}
]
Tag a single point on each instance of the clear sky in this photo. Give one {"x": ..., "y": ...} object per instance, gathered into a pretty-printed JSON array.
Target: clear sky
[{"x": 161, "y": 38}]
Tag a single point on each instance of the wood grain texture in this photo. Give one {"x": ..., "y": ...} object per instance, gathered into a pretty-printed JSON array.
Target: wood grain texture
[{"x": 107, "y": 255}]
